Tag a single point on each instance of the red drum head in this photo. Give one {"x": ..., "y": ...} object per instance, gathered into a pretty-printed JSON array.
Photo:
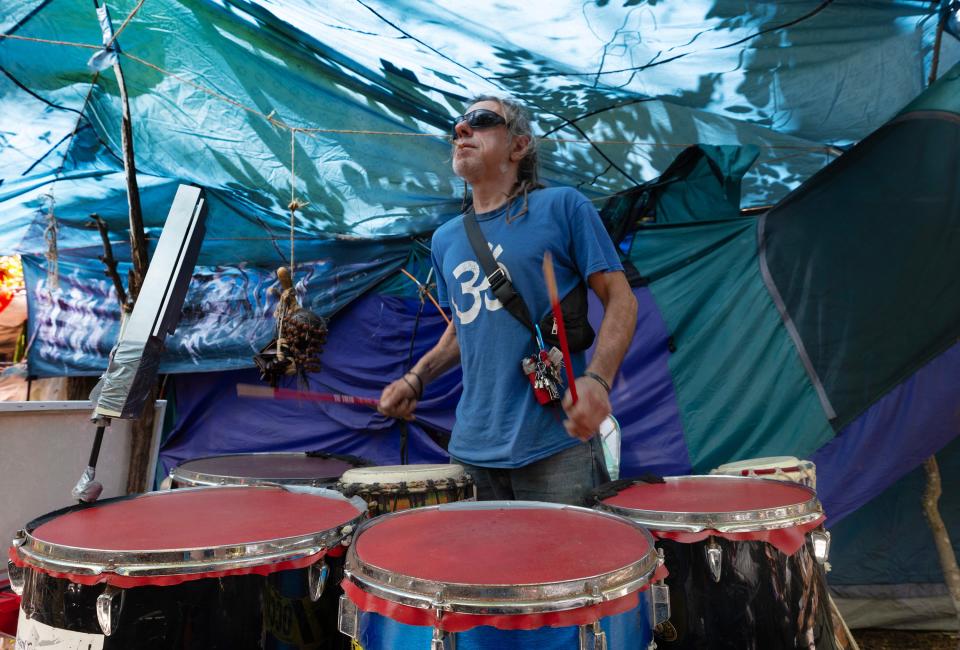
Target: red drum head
[
  {"x": 248, "y": 469},
  {"x": 172, "y": 536},
  {"x": 689, "y": 508},
  {"x": 507, "y": 557}
]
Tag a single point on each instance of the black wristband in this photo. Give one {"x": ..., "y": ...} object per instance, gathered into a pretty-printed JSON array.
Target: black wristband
[
  {"x": 597, "y": 378},
  {"x": 407, "y": 382},
  {"x": 419, "y": 380}
]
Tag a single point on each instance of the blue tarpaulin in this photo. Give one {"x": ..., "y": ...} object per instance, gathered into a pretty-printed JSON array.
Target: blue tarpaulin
[{"x": 744, "y": 345}]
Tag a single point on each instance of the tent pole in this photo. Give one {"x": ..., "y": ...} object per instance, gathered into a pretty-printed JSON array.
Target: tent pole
[
  {"x": 141, "y": 429},
  {"x": 138, "y": 239},
  {"x": 933, "y": 490},
  {"x": 935, "y": 63},
  {"x": 941, "y": 537}
]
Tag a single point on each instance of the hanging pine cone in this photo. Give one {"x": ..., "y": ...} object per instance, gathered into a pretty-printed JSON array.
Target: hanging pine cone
[
  {"x": 305, "y": 333},
  {"x": 301, "y": 334}
]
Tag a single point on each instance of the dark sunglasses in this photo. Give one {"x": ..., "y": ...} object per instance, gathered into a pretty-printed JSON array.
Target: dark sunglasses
[{"x": 479, "y": 119}]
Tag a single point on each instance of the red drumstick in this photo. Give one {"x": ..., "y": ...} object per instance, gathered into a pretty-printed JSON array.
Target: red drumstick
[
  {"x": 558, "y": 316},
  {"x": 265, "y": 392}
]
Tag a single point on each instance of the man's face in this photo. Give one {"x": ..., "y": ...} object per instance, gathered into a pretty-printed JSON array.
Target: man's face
[{"x": 482, "y": 153}]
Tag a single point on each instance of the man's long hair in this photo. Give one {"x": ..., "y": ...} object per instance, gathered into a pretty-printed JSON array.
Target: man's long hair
[{"x": 528, "y": 172}]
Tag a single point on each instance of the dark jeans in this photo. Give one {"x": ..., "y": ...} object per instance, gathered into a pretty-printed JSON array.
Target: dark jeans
[{"x": 568, "y": 476}]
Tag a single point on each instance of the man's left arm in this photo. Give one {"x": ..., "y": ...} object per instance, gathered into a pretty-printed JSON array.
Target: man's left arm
[{"x": 613, "y": 340}]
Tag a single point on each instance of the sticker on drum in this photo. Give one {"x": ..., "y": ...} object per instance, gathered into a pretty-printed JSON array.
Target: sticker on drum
[
  {"x": 499, "y": 574},
  {"x": 34, "y": 634},
  {"x": 187, "y": 568},
  {"x": 781, "y": 468},
  {"x": 390, "y": 488},
  {"x": 742, "y": 560},
  {"x": 318, "y": 469}
]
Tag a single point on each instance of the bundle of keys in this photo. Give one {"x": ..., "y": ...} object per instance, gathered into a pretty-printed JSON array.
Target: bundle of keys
[{"x": 545, "y": 372}]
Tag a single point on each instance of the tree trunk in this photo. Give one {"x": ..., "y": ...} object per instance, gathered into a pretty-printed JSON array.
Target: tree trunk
[
  {"x": 141, "y": 430},
  {"x": 78, "y": 388},
  {"x": 141, "y": 435},
  {"x": 948, "y": 559},
  {"x": 138, "y": 239}
]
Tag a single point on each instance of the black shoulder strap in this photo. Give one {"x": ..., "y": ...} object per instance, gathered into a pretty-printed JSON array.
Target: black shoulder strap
[{"x": 499, "y": 284}]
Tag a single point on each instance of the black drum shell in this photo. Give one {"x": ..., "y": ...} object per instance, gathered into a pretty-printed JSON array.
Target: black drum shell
[
  {"x": 764, "y": 600},
  {"x": 246, "y": 612}
]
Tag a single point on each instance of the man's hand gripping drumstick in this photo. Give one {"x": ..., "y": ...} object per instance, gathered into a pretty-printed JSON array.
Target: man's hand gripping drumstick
[
  {"x": 586, "y": 402},
  {"x": 400, "y": 398},
  {"x": 266, "y": 392}
]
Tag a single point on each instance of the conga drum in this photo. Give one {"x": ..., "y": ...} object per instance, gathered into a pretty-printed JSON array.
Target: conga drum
[
  {"x": 317, "y": 469},
  {"x": 743, "y": 560},
  {"x": 389, "y": 488},
  {"x": 499, "y": 574},
  {"x": 238, "y": 568}
]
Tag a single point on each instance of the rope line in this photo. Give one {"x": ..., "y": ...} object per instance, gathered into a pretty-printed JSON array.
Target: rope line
[
  {"x": 31, "y": 39},
  {"x": 204, "y": 89},
  {"x": 294, "y": 204},
  {"x": 124, "y": 24}
]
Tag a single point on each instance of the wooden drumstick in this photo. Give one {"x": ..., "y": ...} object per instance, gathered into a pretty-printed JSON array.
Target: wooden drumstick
[
  {"x": 551, "y": 281},
  {"x": 266, "y": 392}
]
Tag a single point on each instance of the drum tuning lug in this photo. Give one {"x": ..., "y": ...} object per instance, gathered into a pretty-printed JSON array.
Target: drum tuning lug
[
  {"x": 109, "y": 607},
  {"x": 599, "y": 637},
  {"x": 821, "y": 545},
  {"x": 317, "y": 579},
  {"x": 592, "y": 637},
  {"x": 592, "y": 590},
  {"x": 17, "y": 576},
  {"x": 348, "y": 618},
  {"x": 442, "y": 640},
  {"x": 595, "y": 593},
  {"x": 661, "y": 559},
  {"x": 714, "y": 559}
]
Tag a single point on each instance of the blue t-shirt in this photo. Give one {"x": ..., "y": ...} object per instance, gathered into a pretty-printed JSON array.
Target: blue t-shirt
[{"x": 499, "y": 422}]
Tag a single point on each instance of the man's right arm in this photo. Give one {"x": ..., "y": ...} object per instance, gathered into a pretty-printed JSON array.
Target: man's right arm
[{"x": 400, "y": 398}]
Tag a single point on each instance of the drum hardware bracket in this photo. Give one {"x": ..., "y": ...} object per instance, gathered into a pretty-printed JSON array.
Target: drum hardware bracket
[
  {"x": 87, "y": 489},
  {"x": 821, "y": 547},
  {"x": 18, "y": 577},
  {"x": 348, "y": 618},
  {"x": 109, "y": 608},
  {"x": 347, "y": 532},
  {"x": 17, "y": 574},
  {"x": 714, "y": 558},
  {"x": 317, "y": 579},
  {"x": 593, "y": 631},
  {"x": 660, "y": 599},
  {"x": 441, "y": 640}
]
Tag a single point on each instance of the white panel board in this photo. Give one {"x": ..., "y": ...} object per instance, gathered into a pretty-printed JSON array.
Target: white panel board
[{"x": 44, "y": 447}]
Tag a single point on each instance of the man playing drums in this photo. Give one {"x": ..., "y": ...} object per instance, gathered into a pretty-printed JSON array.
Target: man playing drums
[{"x": 514, "y": 446}]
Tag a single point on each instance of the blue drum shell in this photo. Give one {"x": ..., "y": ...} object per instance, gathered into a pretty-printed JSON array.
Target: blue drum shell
[{"x": 629, "y": 630}]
